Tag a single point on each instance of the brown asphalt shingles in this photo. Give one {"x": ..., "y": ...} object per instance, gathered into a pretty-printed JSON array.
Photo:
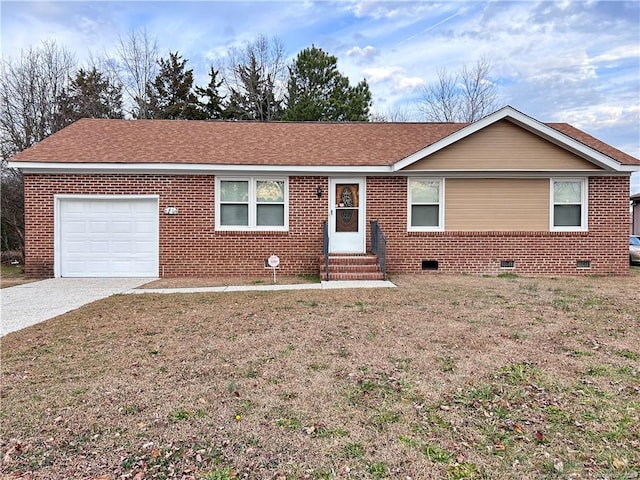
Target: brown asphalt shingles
[{"x": 255, "y": 143}]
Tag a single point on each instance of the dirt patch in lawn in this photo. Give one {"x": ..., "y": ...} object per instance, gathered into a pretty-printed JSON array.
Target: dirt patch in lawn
[
  {"x": 188, "y": 282},
  {"x": 444, "y": 377}
]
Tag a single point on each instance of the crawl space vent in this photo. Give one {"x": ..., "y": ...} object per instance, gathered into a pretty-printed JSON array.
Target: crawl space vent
[
  {"x": 507, "y": 264},
  {"x": 429, "y": 265},
  {"x": 583, "y": 264}
]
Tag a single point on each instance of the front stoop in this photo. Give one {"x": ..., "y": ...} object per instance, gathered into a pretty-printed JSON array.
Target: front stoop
[{"x": 351, "y": 267}]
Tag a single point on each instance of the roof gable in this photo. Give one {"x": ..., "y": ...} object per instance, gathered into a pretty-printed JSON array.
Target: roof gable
[
  {"x": 544, "y": 131},
  {"x": 502, "y": 146}
]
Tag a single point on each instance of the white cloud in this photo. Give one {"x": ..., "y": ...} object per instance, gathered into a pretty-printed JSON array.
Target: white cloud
[
  {"x": 366, "y": 52},
  {"x": 389, "y": 9},
  {"x": 570, "y": 61},
  {"x": 380, "y": 74},
  {"x": 409, "y": 83},
  {"x": 601, "y": 116},
  {"x": 394, "y": 77}
]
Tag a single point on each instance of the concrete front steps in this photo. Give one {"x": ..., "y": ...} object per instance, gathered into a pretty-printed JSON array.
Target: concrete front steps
[{"x": 351, "y": 267}]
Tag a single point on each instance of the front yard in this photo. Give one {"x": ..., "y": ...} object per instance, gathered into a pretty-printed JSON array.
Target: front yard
[
  {"x": 12, "y": 275},
  {"x": 448, "y": 377}
]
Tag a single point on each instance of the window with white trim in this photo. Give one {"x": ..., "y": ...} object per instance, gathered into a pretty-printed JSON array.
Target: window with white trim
[
  {"x": 568, "y": 204},
  {"x": 425, "y": 204},
  {"x": 252, "y": 203}
]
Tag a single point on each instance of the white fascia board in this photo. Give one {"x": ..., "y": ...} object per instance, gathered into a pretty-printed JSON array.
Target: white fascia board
[
  {"x": 530, "y": 124},
  {"x": 509, "y": 173},
  {"x": 191, "y": 168}
]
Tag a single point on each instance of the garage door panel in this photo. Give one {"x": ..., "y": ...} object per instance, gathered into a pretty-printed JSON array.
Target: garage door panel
[
  {"x": 94, "y": 207},
  {"x": 99, "y": 247},
  {"x": 123, "y": 247},
  {"x": 142, "y": 207},
  {"x": 76, "y": 247},
  {"x": 108, "y": 237},
  {"x": 121, "y": 226},
  {"x": 75, "y": 208},
  {"x": 123, "y": 268},
  {"x": 76, "y": 227},
  {"x": 122, "y": 208},
  {"x": 142, "y": 266},
  {"x": 144, "y": 227},
  {"x": 98, "y": 226}
]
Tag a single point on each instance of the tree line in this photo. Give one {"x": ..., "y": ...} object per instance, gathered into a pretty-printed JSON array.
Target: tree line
[{"x": 45, "y": 90}]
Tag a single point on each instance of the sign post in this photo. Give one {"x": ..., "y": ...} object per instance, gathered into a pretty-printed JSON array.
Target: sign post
[{"x": 274, "y": 262}]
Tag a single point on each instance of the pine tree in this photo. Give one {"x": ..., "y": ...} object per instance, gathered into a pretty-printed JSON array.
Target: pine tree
[
  {"x": 317, "y": 91},
  {"x": 213, "y": 107},
  {"x": 91, "y": 95},
  {"x": 254, "y": 98},
  {"x": 171, "y": 94}
]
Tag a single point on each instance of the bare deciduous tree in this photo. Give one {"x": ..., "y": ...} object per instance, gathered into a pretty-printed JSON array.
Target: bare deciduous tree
[
  {"x": 29, "y": 96},
  {"x": 255, "y": 79},
  {"x": 30, "y": 90},
  {"x": 135, "y": 66},
  {"x": 399, "y": 114},
  {"x": 463, "y": 96},
  {"x": 12, "y": 207}
]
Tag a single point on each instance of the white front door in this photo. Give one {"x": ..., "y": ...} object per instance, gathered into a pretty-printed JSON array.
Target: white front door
[{"x": 347, "y": 215}]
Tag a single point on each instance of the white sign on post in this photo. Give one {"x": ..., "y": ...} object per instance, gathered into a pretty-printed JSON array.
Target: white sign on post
[{"x": 274, "y": 262}]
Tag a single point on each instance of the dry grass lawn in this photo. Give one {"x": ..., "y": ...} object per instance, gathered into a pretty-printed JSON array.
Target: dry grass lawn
[
  {"x": 445, "y": 377},
  {"x": 11, "y": 275},
  {"x": 189, "y": 282}
]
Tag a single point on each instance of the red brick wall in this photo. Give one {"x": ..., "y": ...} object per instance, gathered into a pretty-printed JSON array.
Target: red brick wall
[
  {"x": 539, "y": 253},
  {"x": 189, "y": 245}
]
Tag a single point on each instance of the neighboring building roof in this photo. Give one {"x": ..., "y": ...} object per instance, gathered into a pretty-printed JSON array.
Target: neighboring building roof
[{"x": 301, "y": 144}]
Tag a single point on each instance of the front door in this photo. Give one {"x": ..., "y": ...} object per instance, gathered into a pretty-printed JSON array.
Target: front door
[{"x": 347, "y": 215}]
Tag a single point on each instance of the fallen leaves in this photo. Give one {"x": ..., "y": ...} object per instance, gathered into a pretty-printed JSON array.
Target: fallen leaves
[
  {"x": 512, "y": 423},
  {"x": 620, "y": 463},
  {"x": 14, "y": 449}
]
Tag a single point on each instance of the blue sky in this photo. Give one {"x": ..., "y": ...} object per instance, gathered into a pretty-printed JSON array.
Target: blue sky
[{"x": 567, "y": 61}]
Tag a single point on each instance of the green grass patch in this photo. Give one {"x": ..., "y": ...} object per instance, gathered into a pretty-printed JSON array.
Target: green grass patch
[
  {"x": 11, "y": 271},
  {"x": 354, "y": 450}
]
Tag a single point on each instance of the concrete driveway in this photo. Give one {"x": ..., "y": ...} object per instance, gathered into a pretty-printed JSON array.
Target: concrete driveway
[{"x": 31, "y": 303}]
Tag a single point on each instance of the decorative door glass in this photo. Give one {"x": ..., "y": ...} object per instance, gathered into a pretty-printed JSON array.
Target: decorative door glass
[{"x": 347, "y": 206}]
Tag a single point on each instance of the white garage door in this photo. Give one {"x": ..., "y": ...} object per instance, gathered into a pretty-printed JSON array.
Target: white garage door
[{"x": 108, "y": 237}]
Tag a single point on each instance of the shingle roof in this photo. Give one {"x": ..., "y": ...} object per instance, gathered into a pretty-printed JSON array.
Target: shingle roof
[
  {"x": 253, "y": 143},
  {"x": 233, "y": 143},
  {"x": 594, "y": 143}
]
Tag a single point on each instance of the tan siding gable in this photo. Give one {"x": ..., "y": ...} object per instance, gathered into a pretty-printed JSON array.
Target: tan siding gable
[
  {"x": 503, "y": 146},
  {"x": 482, "y": 204}
]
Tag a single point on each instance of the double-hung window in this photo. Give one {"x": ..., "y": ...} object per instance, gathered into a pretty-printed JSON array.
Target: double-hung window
[
  {"x": 568, "y": 204},
  {"x": 425, "y": 204},
  {"x": 252, "y": 203}
]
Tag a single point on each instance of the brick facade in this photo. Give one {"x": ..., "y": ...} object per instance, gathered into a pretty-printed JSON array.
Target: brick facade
[
  {"x": 190, "y": 246},
  {"x": 605, "y": 245}
]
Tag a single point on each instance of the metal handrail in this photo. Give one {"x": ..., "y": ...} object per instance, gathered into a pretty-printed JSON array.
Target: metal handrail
[
  {"x": 325, "y": 247},
  {"x": 379, "y": 246}
]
